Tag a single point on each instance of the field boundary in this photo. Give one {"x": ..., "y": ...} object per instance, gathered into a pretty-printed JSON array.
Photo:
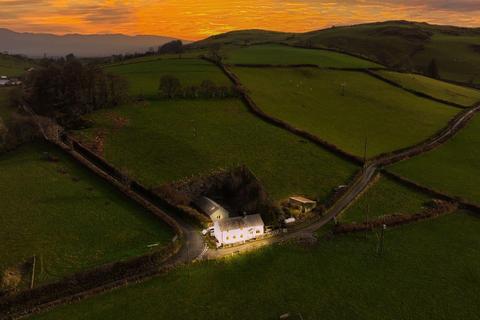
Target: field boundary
[
  {"x": 393, "y": 220},
  {"x": 87, "y": 283},
  {"x": 453, "y": 126},
  {"x": 108, "y": 276},
  {"x": 465, "y": 204},
  {"x": 368, "y": 71},
  {"x": 413, "y": 91},
  {"x": 252, "y": 107}
]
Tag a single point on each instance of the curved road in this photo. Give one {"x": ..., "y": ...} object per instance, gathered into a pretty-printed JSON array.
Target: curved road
[
  {"x": 194, "y": 247},
  {"x": 357, "y": 186}
]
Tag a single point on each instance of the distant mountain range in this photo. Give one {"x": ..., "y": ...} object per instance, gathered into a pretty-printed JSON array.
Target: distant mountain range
[{"x": 95, "y": 45}]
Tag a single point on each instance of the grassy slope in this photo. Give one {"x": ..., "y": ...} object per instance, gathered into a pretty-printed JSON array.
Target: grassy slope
[
  {"x": 311, "y": 99},
  {"x": 12, "y": 66},
  {"x": 144, "y": 78},
  {"x": 434, "y": 88},
  {"x": 280, "y": 54},
  {"x": 71, "y": 225},
  {"x": 423, "y": 274},
  {"x": 453, "y": 168},
  {"x": 169, "y": 140},
  {"x": 383, "y": 198},
  {"x": 456, "y": 58},
  {"x": 406, "y": 45}
]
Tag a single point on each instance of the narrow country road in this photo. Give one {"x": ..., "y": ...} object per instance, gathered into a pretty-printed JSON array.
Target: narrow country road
[
  {"x": 194, "y": 247},
  {"x": 356, "y": 188}
]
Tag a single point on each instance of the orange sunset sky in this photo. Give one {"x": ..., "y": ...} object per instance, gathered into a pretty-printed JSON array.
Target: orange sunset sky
[{"x": 196, "y": 19}]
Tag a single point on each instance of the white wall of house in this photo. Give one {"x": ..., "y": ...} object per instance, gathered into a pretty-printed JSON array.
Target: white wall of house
[{"x": 237, "y": 235}]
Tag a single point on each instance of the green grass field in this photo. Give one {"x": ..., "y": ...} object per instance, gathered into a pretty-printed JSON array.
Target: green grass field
[
  {"x": 13, "y": 66},
  {"x": 438, "y": 89},
  {"x": 453, "y": 168},
  {"x": 385, "y": 197},
  {"x": 66, "y": 216},
  {"x": 281, "y": 54},
  {"x": 429, "y": 271},
  {"x": 311, "y": 99},
  {"x": 168, "y": 140},
  {"x": 144, "y": 77},
  {"x": 455, "y": 56}
]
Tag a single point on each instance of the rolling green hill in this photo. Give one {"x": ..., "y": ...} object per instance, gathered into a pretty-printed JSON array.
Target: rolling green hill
[
  {"x": 282, "y": 54},
  {"x": 312, "y": 99},
  {"x": 164, "y": 141},
  {"x": 144, "y": 76},
  {"x": 12, "y": 66},
  {"x": 434, "y": 88},
  {"x": 453, "y": 168},
  {"x": 400, "y": 44},
  {"x": 69, "y": 218}
]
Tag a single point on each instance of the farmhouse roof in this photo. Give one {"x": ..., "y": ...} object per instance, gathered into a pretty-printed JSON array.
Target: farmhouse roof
[
  {"x": 207, "y": 205},
  {"x": 253, "y": 220},
  {"x": 302, "y": 200}
]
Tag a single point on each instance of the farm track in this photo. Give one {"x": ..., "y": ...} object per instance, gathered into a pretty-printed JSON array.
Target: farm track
[{"x": 193, "y": 246}]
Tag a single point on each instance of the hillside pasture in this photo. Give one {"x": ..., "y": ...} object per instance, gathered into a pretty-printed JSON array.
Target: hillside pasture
[
  {"x": 165, "y": 141},
  {"x": 429, "y": 270},
  {"x": 144, "y": 77},
  {"x": 435, "y": 88},
  {"x": 345, "y": 108},
  {"x": 453, "y": 168},
  {"x": 285, "y": 55},
  {"x": 457, "y": 56},
  {"x": 385, "y": 197},
  {"x": 65, "y": 216},
  {"x": 13, "y": 66}
]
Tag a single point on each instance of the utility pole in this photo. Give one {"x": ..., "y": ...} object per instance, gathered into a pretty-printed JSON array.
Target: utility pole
[{"x": 381, "y": 245}]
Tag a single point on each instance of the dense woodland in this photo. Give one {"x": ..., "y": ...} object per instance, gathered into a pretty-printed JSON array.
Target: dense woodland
[{"x": 65, "y": 89}]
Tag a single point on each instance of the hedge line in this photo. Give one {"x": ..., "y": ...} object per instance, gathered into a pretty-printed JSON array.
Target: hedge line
[
  {"x": 442, "y": 207},
  {"x": 412, "y": 91},
  {"x": 433, "y": 142},
  {"x": 252, "y": 106},
  {"x": 465, "y": 204},
  {"x": 87, "y": 283},
  {"x": 131, "y": 188}
]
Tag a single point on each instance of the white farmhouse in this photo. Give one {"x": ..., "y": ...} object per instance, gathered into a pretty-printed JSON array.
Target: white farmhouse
[
  {"x": 238, "y": 229},
  {"x": 212, "y": 209}
]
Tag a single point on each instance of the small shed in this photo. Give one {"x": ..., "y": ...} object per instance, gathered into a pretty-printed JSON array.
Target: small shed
[
  {"x": 212, "y": 209},
  {"x": 304, "y": 204}
]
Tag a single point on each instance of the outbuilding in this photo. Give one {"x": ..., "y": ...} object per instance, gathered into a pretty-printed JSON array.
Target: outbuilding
[
  {"x": 212, "y": 209},
  {"x": 304, "y": 204},
  {"x": 4, "y": 81},
  {"x": 238, "y": 229}
]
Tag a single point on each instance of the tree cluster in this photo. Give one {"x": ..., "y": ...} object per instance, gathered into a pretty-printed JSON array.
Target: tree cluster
[
  {"x": 174, "y": 47},
  {"x": 66, "y": 89},
  {"x": 171, "y": 88}
]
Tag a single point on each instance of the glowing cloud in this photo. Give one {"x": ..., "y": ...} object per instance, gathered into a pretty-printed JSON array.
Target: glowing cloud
[{"x": 193, "y": 19}]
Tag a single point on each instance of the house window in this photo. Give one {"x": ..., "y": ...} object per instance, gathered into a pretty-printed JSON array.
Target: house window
[
  {"x": 241, "y": 236},
  {"x": 258, "y": 231},
  {"x": 234, "y": 237},
  {"x": 228, "y": 238}
]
